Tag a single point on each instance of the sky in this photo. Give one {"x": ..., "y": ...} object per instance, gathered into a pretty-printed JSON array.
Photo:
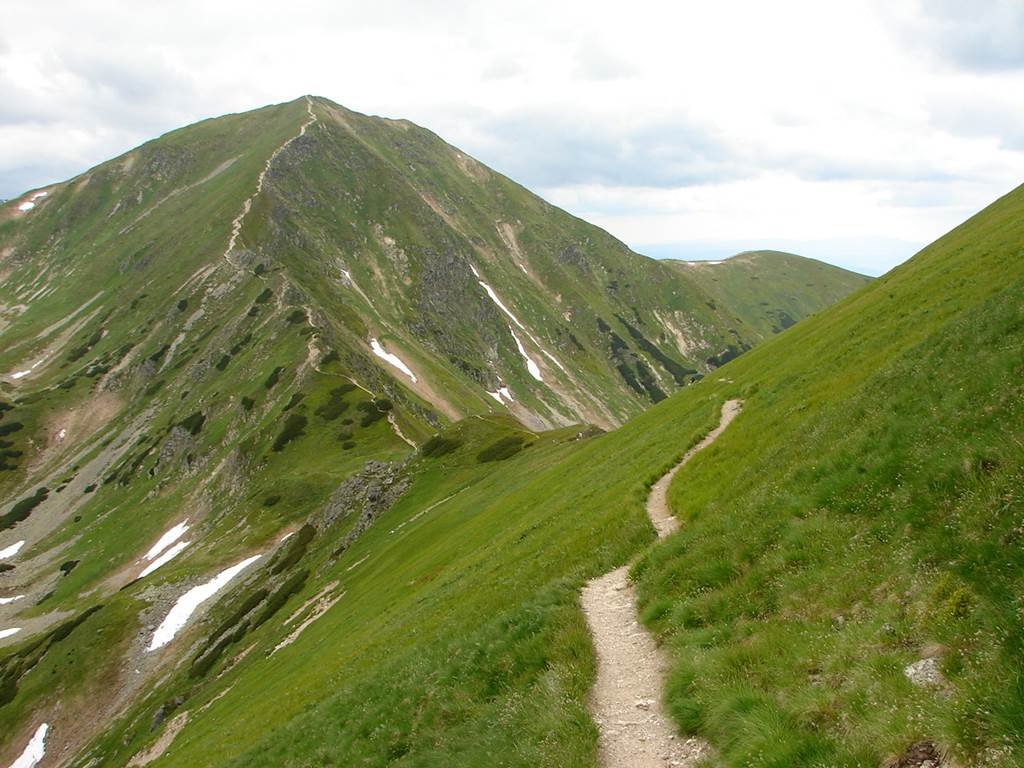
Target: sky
[{"x": 854, "y": 132}]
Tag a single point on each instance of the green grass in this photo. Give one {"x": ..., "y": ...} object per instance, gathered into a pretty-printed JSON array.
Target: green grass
[
  {"x": 856, "y": 512},
  {"x": 861, "y": 509}
]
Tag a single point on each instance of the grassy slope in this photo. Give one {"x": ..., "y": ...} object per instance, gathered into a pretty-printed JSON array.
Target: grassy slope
[
  {"x": 771, "y": 290},
  {"x": 117, "y": 231},
  {"x": 458, "y": 641},
  {"x": 863, "y": 511},
  {"x": 222, "y": 476}
]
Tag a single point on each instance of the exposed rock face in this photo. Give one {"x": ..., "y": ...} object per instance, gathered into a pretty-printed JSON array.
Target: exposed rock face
[
  {"x": 233, "y": 472},
  {"x": 178, "y": 442},
  {"x": 447, "y": 293},
  {"x": 164, "y": 710},
  {"x": 368, "y": 493},
  {"x": 573, "y": 256}
]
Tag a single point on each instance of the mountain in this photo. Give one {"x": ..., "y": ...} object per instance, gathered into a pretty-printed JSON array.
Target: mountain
[
  {"x": 266, "y": 499},
  {"x": 770, "y": 290},
  {"x": 361, "y": 229}
]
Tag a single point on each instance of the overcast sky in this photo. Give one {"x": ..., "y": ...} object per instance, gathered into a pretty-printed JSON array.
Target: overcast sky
[{"x": 852, "y": 134}]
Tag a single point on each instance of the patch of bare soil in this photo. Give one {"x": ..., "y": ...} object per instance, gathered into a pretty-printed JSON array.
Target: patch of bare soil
[
  {"x": 73, "y": 426},
  {"x": 158, "y": 747}
]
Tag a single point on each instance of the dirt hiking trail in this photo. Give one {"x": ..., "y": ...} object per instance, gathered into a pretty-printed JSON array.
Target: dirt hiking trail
[
  {"x": 634, "y": 731},
  {"x": 657, "y": 502}
]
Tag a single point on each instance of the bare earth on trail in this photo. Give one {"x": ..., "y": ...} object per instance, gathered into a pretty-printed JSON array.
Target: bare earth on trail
[
  {"x": 626, "y": 703},
  {"x": 657, "y": 502}
]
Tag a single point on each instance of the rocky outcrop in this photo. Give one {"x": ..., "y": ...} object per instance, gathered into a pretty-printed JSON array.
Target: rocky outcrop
[{"x": 367, "y": 494}]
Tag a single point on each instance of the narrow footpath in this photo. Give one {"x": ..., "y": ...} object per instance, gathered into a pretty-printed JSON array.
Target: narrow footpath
[{"x": 626, "y": 703}]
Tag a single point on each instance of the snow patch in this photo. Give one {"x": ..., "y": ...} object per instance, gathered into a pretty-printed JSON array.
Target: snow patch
[
  {"x": 34, "y": 751},
  {"x": 392, "y": 359},
  {"x": 9, "y": 600},
  {"x": 531, "y": 366},
  {"x": 27, "y": 371},
  {"x": 179, "y": 615},
  {"x": 351, "y": 280},
  {"x": 167, "y": 539},
  {"x": 501, "y": 395},
  {"x": 12, "y": 550},
  {"x": 8, "y": 632},
  {"x": 286, "y": 537},
  {"x": 165, "y": 558},
  {"x": 29, "y": 204},
  {"x": 494, "y": 297},
  {"x": 554, "y": 360}
]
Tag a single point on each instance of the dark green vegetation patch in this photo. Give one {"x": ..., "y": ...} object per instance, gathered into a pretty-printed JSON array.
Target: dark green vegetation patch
[
  {"x": 335, "y": 404},
  {"x": 295, "y": 549},
  {"x": 294, "y": 426},
  {"x": 501, "y": 449},
  {"x": 193, "y": 424},
  {"x": 274, "y": 377},
  {"x": 23, "y": 508},
  {"x": 372, "y": 412},
  {"x": 438, "y": 446}
]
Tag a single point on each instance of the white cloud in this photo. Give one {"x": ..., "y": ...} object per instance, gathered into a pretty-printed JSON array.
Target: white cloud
[{"x": 738, "y": 121}]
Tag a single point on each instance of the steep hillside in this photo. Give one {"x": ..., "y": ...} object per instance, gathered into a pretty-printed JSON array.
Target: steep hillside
[
  {"x": 844, "y": 590},
  {"x": 845, "y": 587},
  {"x": 771, "y": 290}
]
